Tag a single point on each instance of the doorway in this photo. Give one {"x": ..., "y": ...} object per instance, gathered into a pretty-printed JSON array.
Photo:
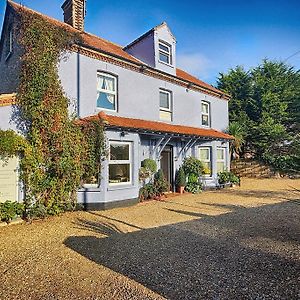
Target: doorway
[{"x": 166, "y": 164}]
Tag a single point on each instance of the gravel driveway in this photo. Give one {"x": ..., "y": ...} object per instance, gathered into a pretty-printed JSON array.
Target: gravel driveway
[{"x": 241, "y": 243}]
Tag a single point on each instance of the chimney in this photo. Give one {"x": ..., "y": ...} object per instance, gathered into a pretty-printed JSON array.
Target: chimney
[{"x": 74, "y": 13}]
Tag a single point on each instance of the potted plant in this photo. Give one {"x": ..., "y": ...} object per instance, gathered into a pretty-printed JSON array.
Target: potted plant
[{"x": 180, "y": 180}]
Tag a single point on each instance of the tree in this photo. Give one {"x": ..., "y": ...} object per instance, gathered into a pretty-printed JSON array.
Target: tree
[
  {"x": 266, "y": 101},
  {"x": 237, "y": 131}
]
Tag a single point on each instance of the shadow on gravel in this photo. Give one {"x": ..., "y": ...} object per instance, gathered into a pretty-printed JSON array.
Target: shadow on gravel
[
  {"x": 208, "y": 258},
  {"x": 257, "y": 193}
]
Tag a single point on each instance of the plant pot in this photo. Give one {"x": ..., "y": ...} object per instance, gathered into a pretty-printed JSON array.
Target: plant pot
[{"x": 180, "y": 189}]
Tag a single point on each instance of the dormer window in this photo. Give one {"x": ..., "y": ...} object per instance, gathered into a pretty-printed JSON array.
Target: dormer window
[
  {"x": 9, "y": 43},
  {"x": 165, "y": 52}
]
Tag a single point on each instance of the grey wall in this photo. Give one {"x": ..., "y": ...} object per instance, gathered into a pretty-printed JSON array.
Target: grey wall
[
  {"x": 9, "y": 68},
  {"x": 138, "y": 94},
  {"x": 144, "y": 50}
]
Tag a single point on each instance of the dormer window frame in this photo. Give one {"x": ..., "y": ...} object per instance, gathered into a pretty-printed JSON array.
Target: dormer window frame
[{"x": 165, "y": 49}]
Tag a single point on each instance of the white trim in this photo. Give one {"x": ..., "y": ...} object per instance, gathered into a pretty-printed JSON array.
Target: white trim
[
  {"x": 205, "y": 114},
  {"x": 10, "y": 37},
  {"x": 221, "y": 160},
  {"x": 121, "y": 162},
  {"x": 167, "y": 53},
  {"x": 170, "y": 103},
  {"x": 114, "y": 93},
  {"x": 206, "y": 160}
]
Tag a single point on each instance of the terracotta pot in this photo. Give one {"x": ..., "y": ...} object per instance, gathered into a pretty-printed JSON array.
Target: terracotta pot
[{"x": 180, "y": 189}]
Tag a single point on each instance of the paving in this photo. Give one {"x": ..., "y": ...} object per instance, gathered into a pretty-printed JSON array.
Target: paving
[{"x": 238, "y": 243}]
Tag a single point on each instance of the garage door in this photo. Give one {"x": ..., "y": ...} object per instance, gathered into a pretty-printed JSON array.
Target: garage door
[{"x": 9, "y": 180}]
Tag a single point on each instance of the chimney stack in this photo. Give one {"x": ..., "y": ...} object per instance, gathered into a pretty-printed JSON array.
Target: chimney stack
[{"x": 74, "y": 13}]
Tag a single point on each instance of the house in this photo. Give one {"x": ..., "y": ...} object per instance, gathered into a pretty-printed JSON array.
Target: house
[{"x": 151, "y": 108}]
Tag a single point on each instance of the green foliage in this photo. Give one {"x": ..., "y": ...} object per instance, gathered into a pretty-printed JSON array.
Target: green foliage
[
  {"x": 147, "y": 169},
  {"x": 266, "y": 101},
  {"x": 180, "y": 178},
  {"x": 58, "y": 154},
  {"x": 150, "y": 165},
  {"x": 228, "y": 177},
  {"x": 193, "y": 185},
  {"x": 192, "y": 165},
  {"x": 155, "y": 189},
  {"x": 160, "y": 183},
  {"x": 10, "y": 210},
  {"x": 237, "y": 131}
]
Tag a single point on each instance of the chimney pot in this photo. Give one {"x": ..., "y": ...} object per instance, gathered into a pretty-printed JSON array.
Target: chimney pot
[{"x": 74, "y": 13}]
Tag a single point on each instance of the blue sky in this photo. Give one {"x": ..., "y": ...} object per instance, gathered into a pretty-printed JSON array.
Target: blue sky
[{"x": 212, "y": 36}]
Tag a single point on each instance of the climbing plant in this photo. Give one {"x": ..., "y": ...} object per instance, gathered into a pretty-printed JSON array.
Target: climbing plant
[{"x": 62, "y": 153}]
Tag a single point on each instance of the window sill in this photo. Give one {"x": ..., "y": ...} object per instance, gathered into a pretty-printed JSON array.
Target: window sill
[
  {"x": 120, "y": 187},
  {"x": 166, "y": 64}
]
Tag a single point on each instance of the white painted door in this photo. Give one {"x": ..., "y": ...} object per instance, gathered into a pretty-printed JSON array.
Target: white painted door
[{"x": 9, "y": 180}]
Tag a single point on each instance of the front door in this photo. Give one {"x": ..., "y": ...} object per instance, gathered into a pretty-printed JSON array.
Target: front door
[{"x": 166, "y": 164}]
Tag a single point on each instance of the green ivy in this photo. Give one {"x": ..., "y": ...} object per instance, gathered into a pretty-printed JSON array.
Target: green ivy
[{"x": 60, "y": 154}]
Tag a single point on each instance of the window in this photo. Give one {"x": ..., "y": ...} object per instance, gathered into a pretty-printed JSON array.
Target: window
[
  {"x": 221, "y": 164},
  {"x": 107, "y": 91},
  {"x": 205, "y": 109},
  {"x": 204, "y": 156},
  {"x": 165, "y": 105},
  {"x": 165, "y": 52},
  {"x": 120, "y": 163},
  {"x": 9, "y": 43}
]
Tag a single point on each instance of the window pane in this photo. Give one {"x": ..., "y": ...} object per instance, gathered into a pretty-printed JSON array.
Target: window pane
[
  {"x": 119, "y": 173},
  {"x": 119, "y": 152},
  {"x": 106, "y": 83},
  {"x": 164, "y": 48},
  {"x": 106, "y": 101},
  {"x": 205, "y": 120},
  {"x": 204, "y": 154},
  {"x": 220, "y": 154},
  {"x": 205, "y": 108},
  {"x": 220, "y": 167},
  {"x": 164, "y": 100},
  {"x": 165, "y": 115},
  {"x": 207, "y": 168},
  {"x": 164, "y": 57}
]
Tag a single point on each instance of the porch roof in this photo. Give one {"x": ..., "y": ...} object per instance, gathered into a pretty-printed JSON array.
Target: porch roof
[
  {"x": 146, "y": 126},
  {"x": 7, "y": 99}
]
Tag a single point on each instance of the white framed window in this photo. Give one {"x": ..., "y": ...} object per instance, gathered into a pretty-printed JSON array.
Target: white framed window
[
  {"x": 120, "y": 163},
  {"x": 106, "y": 91},
  {"x": 165, "y": 52},
  {"x": 205, "y": 113},
  {"x": 205, "y": 158},
  {"x": 9, "y": 43},
  {"x": 165, "y": 105},
  {"x": 221, "y": 160}
]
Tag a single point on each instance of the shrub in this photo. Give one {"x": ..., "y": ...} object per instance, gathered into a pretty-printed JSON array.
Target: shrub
[
  {"x": 180, "y": 178},
  {"x": 147, "y": 169},
  {"x": 228, "y": 177},
  {"x": 193, "y": 185},
  {"x": 192, "y": 165},
  {"x": 148, "y": 191},
  {"x": 10, "y": 210},
  {"x": 150, "y": 165},
  {"x": 160, "y": 183}
]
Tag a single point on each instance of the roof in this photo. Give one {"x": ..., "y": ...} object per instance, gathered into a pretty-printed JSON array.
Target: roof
[
  {"x": 154, "y": 127},
  {"x": 104, "y": 46},
  {"x": 7, "y": 99}
]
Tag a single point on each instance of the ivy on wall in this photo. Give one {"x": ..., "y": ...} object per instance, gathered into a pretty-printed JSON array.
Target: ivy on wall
[{"x": 62, "y": 153}]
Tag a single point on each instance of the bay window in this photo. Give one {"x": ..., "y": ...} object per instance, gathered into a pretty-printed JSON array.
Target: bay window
[
  {"x": 120, "y": 163},
  {"x": 106, "y": 91},
  {"x": 221, "y": 161},
  {"x": 165, "y": 105}
]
